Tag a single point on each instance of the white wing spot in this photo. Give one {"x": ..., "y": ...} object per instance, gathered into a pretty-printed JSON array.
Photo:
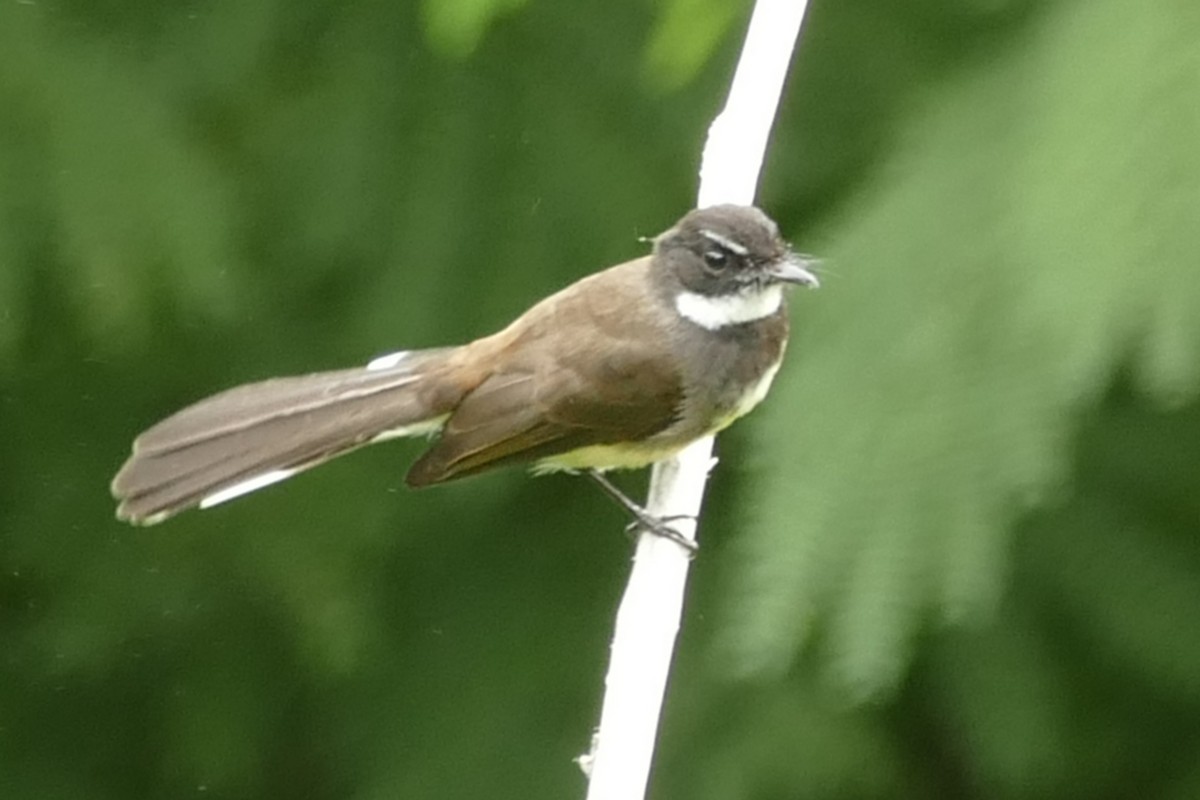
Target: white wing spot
[
  {"x": 426, "y": 427},
  {"x": 388, "y": 361},
  {"x": 247, "y": 486}
]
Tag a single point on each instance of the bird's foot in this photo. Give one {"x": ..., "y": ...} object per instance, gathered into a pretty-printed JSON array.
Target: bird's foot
[
  {"x": 643, "y": 520},
  {"x": 661, "y": 526}
]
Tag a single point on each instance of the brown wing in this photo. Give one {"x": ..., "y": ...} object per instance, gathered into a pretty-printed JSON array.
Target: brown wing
[{"x": 587, "y": 366}]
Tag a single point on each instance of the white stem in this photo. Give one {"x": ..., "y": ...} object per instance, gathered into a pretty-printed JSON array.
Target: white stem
[{"x": 648, "y": 619}]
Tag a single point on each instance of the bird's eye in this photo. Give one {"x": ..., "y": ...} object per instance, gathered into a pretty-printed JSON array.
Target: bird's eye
[{"x": 716, "y": 259}]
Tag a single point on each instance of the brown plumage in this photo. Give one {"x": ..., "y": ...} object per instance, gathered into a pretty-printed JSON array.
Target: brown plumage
[{"x": 606, "y": 373}]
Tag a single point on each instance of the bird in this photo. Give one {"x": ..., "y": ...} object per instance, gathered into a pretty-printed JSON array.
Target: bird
[{"x": 622, "y": 368}]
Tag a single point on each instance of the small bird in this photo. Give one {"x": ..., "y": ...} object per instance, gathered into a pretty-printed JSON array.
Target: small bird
[{"x": 618, "y": 370}]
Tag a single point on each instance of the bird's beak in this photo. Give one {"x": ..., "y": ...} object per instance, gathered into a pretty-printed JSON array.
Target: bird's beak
[{"x": 795, "y": 268}]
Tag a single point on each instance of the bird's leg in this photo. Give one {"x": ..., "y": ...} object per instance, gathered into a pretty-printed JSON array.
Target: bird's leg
[{"x": 641, "y": 517}]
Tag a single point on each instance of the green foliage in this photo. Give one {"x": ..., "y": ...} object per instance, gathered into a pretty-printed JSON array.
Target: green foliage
[
  {"x": 1025, "y": 243},
  {"x": 955, "y": 555},
  {"x": 456, "y": 26},
  {"x": 684, "y": 39}
]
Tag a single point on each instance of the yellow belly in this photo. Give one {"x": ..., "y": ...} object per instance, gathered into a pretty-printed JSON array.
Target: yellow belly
[
  {"x": 749, "y": 399},
  {"x": 637, "y": 455},
  {"x": 607, "y": 456}
]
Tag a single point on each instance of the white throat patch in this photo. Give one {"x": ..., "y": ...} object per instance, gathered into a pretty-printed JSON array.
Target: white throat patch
[{"x": 734, "y": 309}]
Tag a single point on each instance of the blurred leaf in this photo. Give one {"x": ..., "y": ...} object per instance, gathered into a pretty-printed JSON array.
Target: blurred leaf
[
  {"x": 455, "y": 27},
  {"x": 1017, "y": 252},
  {"x": 1007, "y": 705},
  {"x": 685, "y": 38},
  {"x": 780, "y": 743},
  {"x": 11, "y": 290},
  {"x": 135, "y": 203}
]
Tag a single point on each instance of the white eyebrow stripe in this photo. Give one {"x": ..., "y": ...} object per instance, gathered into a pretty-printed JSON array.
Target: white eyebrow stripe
[{"x": 724, "y": 241}]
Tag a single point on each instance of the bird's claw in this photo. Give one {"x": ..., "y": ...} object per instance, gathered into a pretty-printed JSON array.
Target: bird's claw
[{"x": 660, "y": 526}]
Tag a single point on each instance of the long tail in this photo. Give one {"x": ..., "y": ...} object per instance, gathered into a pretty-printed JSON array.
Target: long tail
[{"x": 261, "y": 433}]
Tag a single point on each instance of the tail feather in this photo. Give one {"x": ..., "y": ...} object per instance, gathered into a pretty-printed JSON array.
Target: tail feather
[{"x": 260, "y": 433}]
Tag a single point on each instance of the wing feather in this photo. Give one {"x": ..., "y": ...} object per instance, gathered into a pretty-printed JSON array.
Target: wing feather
[
  {"x": 233, "y": 441},
  {"x": 585, "y": 368}
]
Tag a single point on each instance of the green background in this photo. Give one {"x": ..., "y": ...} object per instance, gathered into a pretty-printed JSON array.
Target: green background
[{"x": 955, "y": 555}]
